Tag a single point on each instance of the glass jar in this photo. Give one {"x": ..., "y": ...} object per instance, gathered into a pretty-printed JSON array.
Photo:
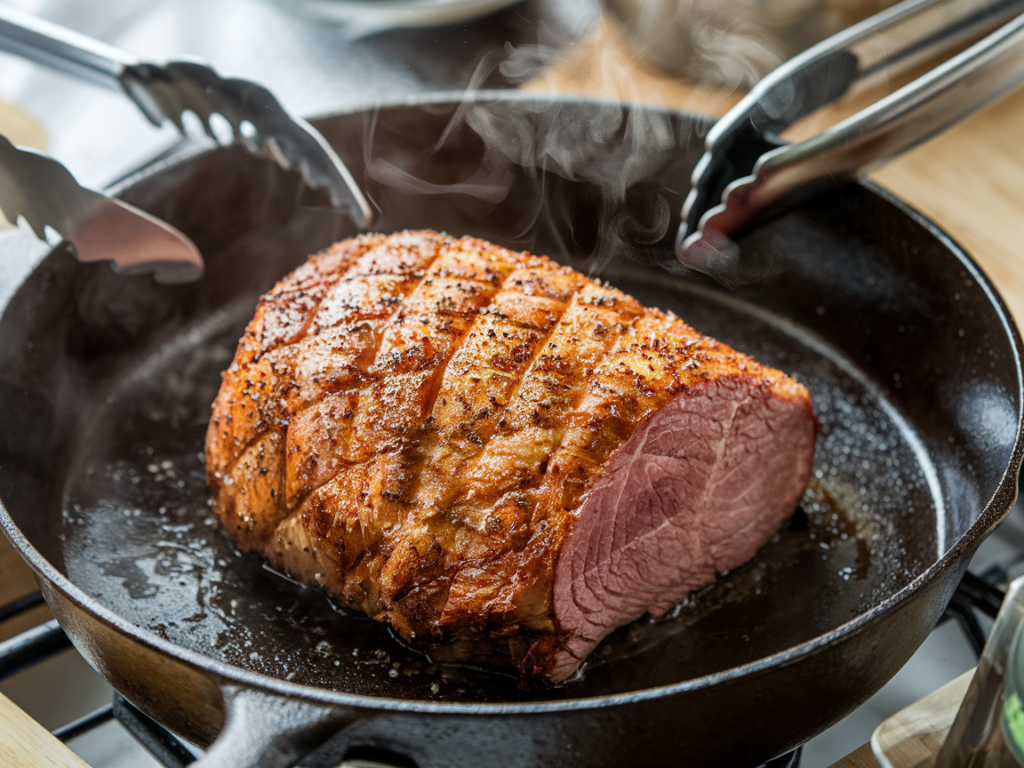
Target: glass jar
[
  {"x": 1012, "y": 721},
  {"x": 988, "y": 731}
]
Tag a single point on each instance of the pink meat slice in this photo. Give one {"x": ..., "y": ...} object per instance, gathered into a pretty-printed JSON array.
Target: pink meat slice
[{"x": 692, "y": 494}]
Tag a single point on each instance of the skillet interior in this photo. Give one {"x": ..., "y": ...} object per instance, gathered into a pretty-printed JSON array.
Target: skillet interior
[{"x": 107, "y": 383}]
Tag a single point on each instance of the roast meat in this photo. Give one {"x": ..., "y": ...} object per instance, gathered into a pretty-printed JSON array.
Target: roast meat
[{"x": 503, "y": 459}]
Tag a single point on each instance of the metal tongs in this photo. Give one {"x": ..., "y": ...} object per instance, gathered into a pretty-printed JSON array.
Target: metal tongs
[
  {"x": 43, "y": 192},
  {"x": 163, "y": 92},
  {"x": 748, "y": 174}
]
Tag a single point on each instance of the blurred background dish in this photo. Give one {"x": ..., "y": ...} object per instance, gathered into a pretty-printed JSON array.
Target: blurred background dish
[{"x": 364, "y": 17}]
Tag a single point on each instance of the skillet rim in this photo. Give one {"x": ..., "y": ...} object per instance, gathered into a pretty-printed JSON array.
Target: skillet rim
[{"x": 993, "y": 513}]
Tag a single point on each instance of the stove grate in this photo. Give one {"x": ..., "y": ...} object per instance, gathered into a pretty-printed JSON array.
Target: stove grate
[
  {"x": 40, "y": 643},
  {"x": 976, "y": 593},
  {"x": 31, "y": 647},
  {"x": 85, "y": 724}
]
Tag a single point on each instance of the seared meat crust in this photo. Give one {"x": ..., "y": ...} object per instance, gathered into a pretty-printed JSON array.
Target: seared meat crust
[{"x": 415, "y": 422}]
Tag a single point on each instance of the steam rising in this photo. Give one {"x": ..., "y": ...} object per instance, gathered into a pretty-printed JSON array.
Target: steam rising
[
  {"x": 527, "y": 144},
  {"x": 636, "y": 159},
  {"x": 720, "y": 42},
  {"x": 488, "y": 183}
]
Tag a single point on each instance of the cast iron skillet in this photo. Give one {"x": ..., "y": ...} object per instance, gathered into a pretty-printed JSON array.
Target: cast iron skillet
[{"x": 911, "y": 358}]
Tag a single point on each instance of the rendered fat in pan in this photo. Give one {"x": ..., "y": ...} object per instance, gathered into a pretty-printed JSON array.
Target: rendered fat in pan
[{"x": 105, "y": 384}]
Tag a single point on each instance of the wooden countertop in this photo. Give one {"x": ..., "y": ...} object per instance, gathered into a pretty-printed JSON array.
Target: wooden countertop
[{"x": 862, "y": 758}]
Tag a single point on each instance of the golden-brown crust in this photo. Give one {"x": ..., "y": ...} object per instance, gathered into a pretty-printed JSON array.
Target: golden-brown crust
[{"x": 411, "y": 421}]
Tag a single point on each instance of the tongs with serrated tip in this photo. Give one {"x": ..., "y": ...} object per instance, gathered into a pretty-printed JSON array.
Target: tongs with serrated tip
[
  {"x": 166, "y": 92},
  {"x": 748, "y": 174},
  {"x": 41, "y": 191}
]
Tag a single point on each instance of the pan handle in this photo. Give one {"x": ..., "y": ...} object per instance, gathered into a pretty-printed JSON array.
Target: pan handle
[
  {"x": 266, "y": 731},
  {"x": 263, "y": 730}
]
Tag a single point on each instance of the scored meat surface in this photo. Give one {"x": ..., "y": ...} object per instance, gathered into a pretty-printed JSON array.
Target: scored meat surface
[{"x": 503, "y": 459}]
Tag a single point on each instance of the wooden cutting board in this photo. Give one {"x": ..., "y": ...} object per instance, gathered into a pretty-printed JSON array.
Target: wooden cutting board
[
  {"x": 912, "y": 737},
  {"x": 970, "y": 180},
  {"x": 24, "y": 743}
]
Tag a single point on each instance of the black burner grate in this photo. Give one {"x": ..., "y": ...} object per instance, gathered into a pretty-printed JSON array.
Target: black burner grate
[{"x": 976, "y": 593}]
